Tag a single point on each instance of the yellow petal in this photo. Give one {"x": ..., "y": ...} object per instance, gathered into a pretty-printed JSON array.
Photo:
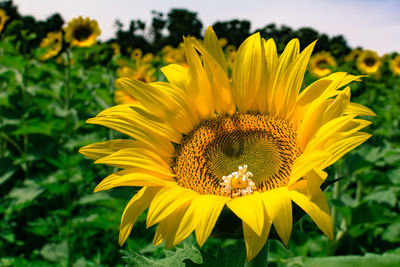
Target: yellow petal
[
  {"x": 306, "y": 162},
  {"x": 250, "y": 210},
  {"x": 176, "y": 74},
  {"x": 135, "y": 131},
  {"x": 198, "y": 87},
  {"x": 135, "y": 177},
  {"x": 103, "y": 149},
  {"x": 166, "y": 201},
  {"x": 265, "y": 94},
  {"x": 255, "y": 243},
  {"x": 212, "y": 45},
  {"x": 285, "y": 60},
  {"x": 135, "y": 207},
  {"x": 168, "y": 227},
  {"x": 359, "y": 110},
  {"x": 157, "y": 101},
  {"x": 291, "y": 84},
  {"x": 219, "y": 80},
  {"x": 278, "y": 204},
  {"x": 208, "y": 209},
  {"x": 134, "y": 157},
  {"x": 247, "y": 72},
  {"x": 315, "y": 206},
  {"x": 341, "y": 147}
]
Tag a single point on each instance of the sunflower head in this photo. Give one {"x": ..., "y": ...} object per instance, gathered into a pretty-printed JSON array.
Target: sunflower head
[
  {"x": 82, "y": 32},
  {"x": 3, "y": 19},
  {"x": 52, "y": 44},
  {"x": 321, "y": 64},
  {"x": 368, "y": 62},
  {"x": 354, "y": 54},
  {"x": 116, "y": 48},
  {"x": 252, "y": 143},
  {"x": 395, "y": 65}
]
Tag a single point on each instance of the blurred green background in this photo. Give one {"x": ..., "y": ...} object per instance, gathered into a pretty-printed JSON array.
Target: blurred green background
[{"x": 49, "y": 216}]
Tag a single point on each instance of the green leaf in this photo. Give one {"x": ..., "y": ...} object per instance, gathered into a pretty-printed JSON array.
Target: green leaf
[
  {"x": 28, "y": 193},
  {"x": 175, "y": 258},
  {"x": 55, "y": 252},
  {"x": 385, "y": 260}
]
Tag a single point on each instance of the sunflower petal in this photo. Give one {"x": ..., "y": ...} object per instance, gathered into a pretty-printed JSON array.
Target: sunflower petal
[
  {"x": 199, "y": 88},
  {"x": 208, "y": 209},
  {"x": 211, "y": 43},
  {"x": 250, "y": 210},
  {"x": 99, "y": 150},
  {"x": 135, "y": 157},
  {"x": 255, "y": 243},
  {"x": 359, "y": 110},
  {"x": 135, "y": 207},
  {"x": 176, "y": 75},
  {"x": 278, "y": 204},
  {"x": 168, "y": 227},
  {"x": 166, "y": 201},
  {"x": 307, "y": 162},
  {"x": 132, "y": 177},
  {"x": 315, "y": 206},
  {"x": 246, "y": 83}
]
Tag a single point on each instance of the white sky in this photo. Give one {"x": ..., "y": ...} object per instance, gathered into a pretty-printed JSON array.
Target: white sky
[{"x": 371, "y": 24}]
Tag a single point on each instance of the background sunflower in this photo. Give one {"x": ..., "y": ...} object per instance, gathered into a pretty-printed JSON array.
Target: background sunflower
[{"x": 82, "y": 32}]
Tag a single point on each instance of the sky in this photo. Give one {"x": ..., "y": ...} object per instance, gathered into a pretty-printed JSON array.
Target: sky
[{"x": 371, "y": 24}]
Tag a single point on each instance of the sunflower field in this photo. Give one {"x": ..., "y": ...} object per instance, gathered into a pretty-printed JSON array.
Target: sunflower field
[{"x": 57, "y": 81}]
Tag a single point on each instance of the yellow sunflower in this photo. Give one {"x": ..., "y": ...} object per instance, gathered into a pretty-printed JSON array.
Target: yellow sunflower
[
  {"x": 321, "y": 63},
  {"x": 3, "y": 19},
  {"x": 171, "y": 55},
  {"x": 368, "y": 62},
  {"x": 52, "y": 43},
  {"x": 354, "y": 54},
  {"x": 201, "y": 143},
  {"x": 395, "y": 65},
  {"x": 82, "y": 32},
  {"x": 116, "y": 48}
]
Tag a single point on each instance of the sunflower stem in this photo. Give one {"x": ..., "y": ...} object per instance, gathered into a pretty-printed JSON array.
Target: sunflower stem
[{"x": 261, "y": 260}]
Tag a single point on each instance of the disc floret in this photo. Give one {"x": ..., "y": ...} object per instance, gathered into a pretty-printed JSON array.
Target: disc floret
[{"x": 238, "y": 183}]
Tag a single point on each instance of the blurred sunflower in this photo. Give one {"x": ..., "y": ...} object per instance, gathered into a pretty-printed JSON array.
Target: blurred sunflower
[
  {"x": 171, "y": 55},
  {"x": 354, "y": 54},
  {"x": 321, "y": 63},
  {"x": 52, "y": 43},
  {"x": 395, "y": 65},
  {"x": 82, "y": 32},
  {"x": 368, "y": 62},
  {"x": 254, "y": 144},
  {"x": 3, "y": 19},
  {"x": 116, "y": 48}
]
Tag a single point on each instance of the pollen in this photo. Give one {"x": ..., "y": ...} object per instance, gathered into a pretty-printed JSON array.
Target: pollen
[{"x": 218, "y": 146}]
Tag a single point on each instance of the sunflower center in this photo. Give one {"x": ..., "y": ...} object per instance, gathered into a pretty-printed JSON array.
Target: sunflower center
[
  {"x": 82, "y": 33},
  {"x": 322, "y": 64},
  {"x": 217, "y": 147},
  {"x": 369, "y": 62}
]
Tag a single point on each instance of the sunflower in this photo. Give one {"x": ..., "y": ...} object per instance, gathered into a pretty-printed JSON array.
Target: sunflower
[
  {"x": 253, "y": 145},
  {"x": 52, "y": 43},
  {"x": 116, "y": 48},
  {"x": 368, "y": 62},
  {"x": 395, "y": 65},
  {"x": 354, "y": 54},
  {"x": 171, "y": 55},
  {"x": 3, "y": 19},
  {"x": 321, "y": 63},
  {"x": 82, "y": 32}
]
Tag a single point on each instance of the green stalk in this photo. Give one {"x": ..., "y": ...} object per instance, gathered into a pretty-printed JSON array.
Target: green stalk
[{"x": 261, "y": 260}]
